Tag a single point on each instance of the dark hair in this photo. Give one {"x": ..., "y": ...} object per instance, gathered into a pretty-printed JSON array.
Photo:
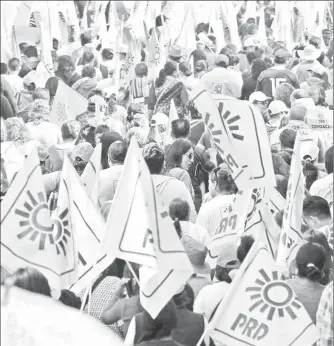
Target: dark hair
[
  {"x": 233, "y": 60},
  {"x": 225, "y": 182},
  {"x": 180, "y": 128},
  {"x": 287, "y": 138},
  {"x": 174, "y": 155},
  {"x": 179, "y": 210},
  {"x": 154, "y": 157},
  {"x": 31, "y": 280},
  {"x": 281, "y": 184},
  {"x": 87, "y": 57},
  {"x": 66, "y": 131},
  {"x": 14, "y": 64},
  {"x": 69, "y": 298},
  {"x": 141, "y": 70},
  {"x": 185, "y": 299},
  {"x": 121, "y": 150},
  {"x": 246, "y": 242},
  {"x": 158, "y": 20},
  {"x": 23, "y": 46},
  {"x": 85, "y": 38},
  {"x": 106, "y": 140},
  {"x": 315, "y": 41},
  {"x": 65, "y": 63},
  {"x": 185, "y": 68},
  {"x": 280, "y": 60},
  {"x": 107, "y": 54},
  {"x": 222, "y": 274},
  {"x": 316, "y": 206},
  {"x": 251, "y": 56},
  {"x": 225, "y": 51},
  {"x": 3, "y": 68},
  {"x": 169, "y": 68},
  {"x": 41, "y": 94},
  {"x": 283, "y": 93},
  {"x": 285, "y": 156},
  {"x": 279, "y": 218},
  {"x": 258, "y": 66},
  {"x": 329, "y": 160},
  {"x": 88, "y": 71},
  {"x": 222, "y": 64},
  {"x": 31, "y": 52},
  {"x": 311, "y": 173},
  {"x": 96, "y": 92},
  {"x": 101, "y": 129},
  {"x": 310, "y": 260},
  {"x": 280, "y": 166}
]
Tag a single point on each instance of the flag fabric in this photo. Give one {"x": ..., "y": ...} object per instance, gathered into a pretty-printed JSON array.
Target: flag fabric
[
  {"x": 282, "y": 25},
  {"x": 230, "y": 24},
  {"x": 275, "y": 201},
  {"x": 260, "y": 308},
  {"x": 133, "y": 57},
  {"x": 250, "y": 10},
  {"x": 291, "y": 235},
  {"x": 22, "y": 322},
  {"x": 139, "y": 230},
  {"x": 86, "y": 223},
  {"x": 172, "y": 116},
  {"x": 67, "y": 104},
  {"x": 156, "y": 59},
  {"x": 261, "y": 33},
  {"x": 218, "y": 29},
  {"x": 29, "y": 238},
  {"x": 91, "y": 174}
]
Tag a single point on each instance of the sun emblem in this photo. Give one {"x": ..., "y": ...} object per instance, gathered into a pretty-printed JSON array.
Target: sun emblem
[
  {"x": 61, "y": 111},
  {"x": 231, "y": 122},
  {"x": 273, "y": 295},
  {"x": 38, "y": 225},
  {"x": 256, "y": 199}
]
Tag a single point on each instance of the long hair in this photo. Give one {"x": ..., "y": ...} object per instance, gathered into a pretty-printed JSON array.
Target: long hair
[
  {"x": 175, "y": 153},
  {"x": 179, "y": 210},
  {"x": 168, "y": 70},
  {"x": 258, "y": 66},
  {"x": 311, "y": 173}
]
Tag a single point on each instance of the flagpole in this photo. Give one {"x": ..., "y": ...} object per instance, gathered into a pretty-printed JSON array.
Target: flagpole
[{"x": 133, "y": 273}]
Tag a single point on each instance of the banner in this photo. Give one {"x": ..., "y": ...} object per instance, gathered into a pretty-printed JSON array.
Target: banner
[
  {"x": 67, "y": 105},
  {"x": 139, "y": 230},
  {"x": 275, "y": 201},
  {"x": 260, "y": 308},
  {"x": 29, "y": 238},
  {"x": 156, "y": 58},
  {"x": 86, "y": 223},
  {"x": 293, "y": 213}
]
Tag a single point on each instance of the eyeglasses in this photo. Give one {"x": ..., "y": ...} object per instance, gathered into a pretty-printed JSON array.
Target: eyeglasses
[{"x": 190, "y": 156}]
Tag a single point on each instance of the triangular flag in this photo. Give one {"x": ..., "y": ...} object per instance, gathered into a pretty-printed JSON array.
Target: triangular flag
[
  {"x": 67, "y": 104},
  {"x": 86, "y": 223},
  {"x": 139, "y": 230},
  {"x": 156, "y": 60},
  {"x": 91, "y": 174},
  {"x": 250, "y": 10},
  {"x": 172, "y": 116},
  {"x": 29, "y": 238},
  {"x": 261, "y": 308},
  {"x": 261, "y": 33},
  {"x": 231, "y": 25},
  {"x": 218, "y": 28},
  {"x": 282, "y": 25},
  {"x": 291, "y": 234}
]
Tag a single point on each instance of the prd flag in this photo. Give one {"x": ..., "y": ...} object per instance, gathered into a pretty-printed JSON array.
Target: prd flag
[
  {"x": 67, "y": 104},
  {"x": 139, "y": 230},
  {"x": 274, "y": 200},
  {"x": 222, "y": 135},
  {"x": 86, "y": 223},
  {"x": 29, "y": 238},
  {"x": 91, "y": 174},
  {"x": 156, "y": 60},
  {"x": 260, "y": 308},
  {"x": 293, "y": 213},
  {"x": 172, "y": 116}
]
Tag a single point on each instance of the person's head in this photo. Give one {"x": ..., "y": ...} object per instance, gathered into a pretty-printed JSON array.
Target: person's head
[
  {"x": 277, "y": 109},
  {"x": 70, "y": 299},
  {"x": 31, "y": 52},
  {"x": 3, "y": 68},
  {"x": 185, "y": 69},
  {"x": 70, "y": 130},
  {"x": 29, "y": 81},
  {"x": 251, "y": 56},
  {"x": 23, "y": 46},
  {"x": 298, "y": 94},
  {"x": 281, "y": 184},
  {"x": 311, "y": 174},
  {"x": 282, "y": 57},
  {"x": 225, "y": 51},
  {"x": 39, "y": 112},
  {"x": 141, "y": 70},
  {"x": 257, "y": 67},
  {"x": 222, "y": 182},
  {"x": 106, "y": 139},
  {"x": 154, "y": 157},
  {"x": 16, "y": 130},
  {"x": 329, "y": 155},
  {"x": 52, "y": 85},
  {"x": 180, "y": 128},
  {"x": 310, "y": 261},
  {"x": 175, "y": 53},
  {"x": 29, "y": 279},
  {"x": 320, "y": 238},
  {"x": 233, "y": 60},
  {"x": 316, "y": 212},
  {"x": 86, "y": 37},
  {"x": 179, "y": 210},
  {"x": 80, "y": 156},
  {"x": 261, "y": 102},
  {"x": 298, "y": 112},
  {"x": 317, "y": 93},
  {"x": 185, "y": 298},
  {"x": 285, "y": 156},
  {"x": 246, "y": 242},
  {"x": 99, "y": 131},
  {"x": 226, "y": 262},
  {"x": 180, "y": 154},
  {"x": 280, "y": 166},
  {"x": 88, "y": 71},
  {"x": 283, "y": 93},
  {"x": 117, "y": 152},
  {"x": 201, "y": 66},
  {"x": 66, "y": 66},
  {"x": 107, "y": 54},
  {"x": 88, "y": 58},
  {"x": 41, "y": 94},
  {"x": 14, "y": 66},
  {"x": 309, "y": 53},
  {"x": 249, "y": 45},
  {"x": 170, "y": 69},
  {"x": 222, "y": 61},
  {"x": 287, "y": 139}
]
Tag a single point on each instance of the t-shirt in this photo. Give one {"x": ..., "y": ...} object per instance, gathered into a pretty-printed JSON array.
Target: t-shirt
[
  {"x": 269, "y": 80},
  {"x": 109, "y": 179},
  {"x": 45, "y": 132},
  {"x": 196, "y": 232},
  {"x": 323, "y": 188},
  {"x": 212, "y": 212}
]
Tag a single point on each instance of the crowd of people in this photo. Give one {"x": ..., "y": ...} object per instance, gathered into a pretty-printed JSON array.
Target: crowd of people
[{"x": 191, "y": 179}]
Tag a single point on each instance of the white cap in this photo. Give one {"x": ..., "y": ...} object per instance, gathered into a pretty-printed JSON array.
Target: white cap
[
  {"x": 277, "y": 106},
  {"x": 258, "y": 96},
  {"x": 250, "y": 42},
  {"x": 309, "y": 150}
]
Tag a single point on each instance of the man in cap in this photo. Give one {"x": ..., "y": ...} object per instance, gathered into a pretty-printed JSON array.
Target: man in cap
[
  {"x": 175, "y": 53},
  {"x": 261, "y": 102},
  {"x": 220, "y": 82},
  {"x": 272, "y": 77},
  {"x": 249, "y": 46},
  {"x": 277, "y": 110}
]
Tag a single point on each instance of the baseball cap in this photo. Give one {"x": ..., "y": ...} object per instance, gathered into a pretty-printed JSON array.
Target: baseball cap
[
  {"x": 258, "y": 96},
  {"x": 282, "y": 53},
  {"x": 309, "y": 150},
  {"x": 277, "y": 106},
  {"x": 222, "y": 58},
  {"x": 228, "y": 256},
  {"x": 317, "y": 69},
  {"x": 83, "y": 150}
]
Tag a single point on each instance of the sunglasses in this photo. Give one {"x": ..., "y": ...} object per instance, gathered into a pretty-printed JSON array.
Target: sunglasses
[{"x": 190, "y": 156}]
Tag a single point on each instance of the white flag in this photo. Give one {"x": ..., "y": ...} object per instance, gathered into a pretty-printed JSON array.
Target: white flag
[
  {"x": 67, "y": 104},
  {"x": 260, "y": 308},
  {"x": 29, "y": 238},
  {"x": 172, "y": 116}
]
